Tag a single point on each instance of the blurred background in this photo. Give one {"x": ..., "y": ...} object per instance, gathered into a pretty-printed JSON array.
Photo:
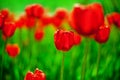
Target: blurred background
[{"x": 47, "y": 58}]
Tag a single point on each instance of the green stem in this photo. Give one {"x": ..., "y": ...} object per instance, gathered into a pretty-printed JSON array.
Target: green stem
[
  {"x": 30, "y": 46},
  {"x": 2, "y": 59},
  {"x": 71, "y": 64},
  {"x": 84, "y": 60},
  {"x": 98, "y": 61},
  {"x": 62, "y": 66}
]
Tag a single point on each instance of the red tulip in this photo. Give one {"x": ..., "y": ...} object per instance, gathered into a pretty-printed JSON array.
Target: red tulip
[
  {"x": 38, "y": 34},
  {"x": 110, "y": 19},
  {"x": 30, "y": 22},
  {"x": 63, "y": 40},
  {"x": 12, "y": 49},
  {"x": 103, "y": 34},
  {"x": 59, "y": 17},
  {"x": 46, "y": 20},
  {"x": 87, "y": 19},
  {"x": 61, "y": 14},
  {"x": 28, "y": 10},
  {"x": 8, "y": 29},
  {"x": 56, "y": 22},
  {"x": 1, "y": 21},
  {"x": 38, "y": 10},
  {"x": 20, "y": 22},
  {"x": 34, "y": 10},
  {"x": 5, "y": 12},
  {"x": 77, "y": 39},
  {"x": 37, "y": 75},
  {"x": 116, "y": 18}
]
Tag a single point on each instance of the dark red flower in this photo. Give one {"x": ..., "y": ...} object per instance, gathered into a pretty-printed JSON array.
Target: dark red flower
[
  {"x": 29, "y": 10},
  {"x": 30, "y": 22},
  {"x": 77, "y": 39},
  {"x": 61, "y": 14},
  {"x": 20, "y": 22},
  {"x": 5, "y": 12},
  {"x": 8, "y": 29},
  {"x": 63, "y": 40},
  {"x": 56, "y": 22},
  {"x": 103, "y": 34},
  {"x": 38, "y": 10},
  {"x": 59, "y": 17},
  {"x": 110, "y": 19},
  {"x": 37, "y": 75},
  {"x": 46, "y": 20},
  {"x": 12, "y": 49},
  {"x": 34, "y": 10},
  {"x": 1, "y": 21},
  {"x": 38, "y": 35},
  {"x": 116, "y": 18},
  {"x": 87, "y": 19}
]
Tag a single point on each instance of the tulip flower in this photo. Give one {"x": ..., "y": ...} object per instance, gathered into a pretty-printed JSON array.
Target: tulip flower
[
  {"x": 9, "y": 29},
  {"x": 5, "y": 12},
  {"x": 37, "y": 75},
  {"x": 87, "y": 19},
  {"x": 46, "y": 20},
  {"x": 38, "y": 35},
  {"x": 116, "y": 18},
  {"x": 59, "y": 17},
  {"x": 103, "y": 34},
  {"x": 77, "y": 39},
  {"x": 63, "y": 40},
  {"x": 21, "y": 21},
  {"x": 12, "y": 49},
  {"x": 34, "y": 10}
]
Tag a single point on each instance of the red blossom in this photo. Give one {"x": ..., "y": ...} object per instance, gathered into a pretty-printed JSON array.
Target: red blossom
[
  {"x": 12, "y": 49},
  {"x": 87, "y": 19},
  {"x": 103, "y": 34},
  {"x": 9, "y": 29},
  {"x": 37, "y": 75},
  {"x": 34, "y": 10},
  {"x": 38, "y": 35},
  {"x": 63, "y": 40}
]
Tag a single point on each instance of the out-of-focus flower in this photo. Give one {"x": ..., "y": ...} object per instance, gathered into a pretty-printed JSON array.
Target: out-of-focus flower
[
  {"x": 37, "y": 75},
  {"x": 12, "y": 49}
]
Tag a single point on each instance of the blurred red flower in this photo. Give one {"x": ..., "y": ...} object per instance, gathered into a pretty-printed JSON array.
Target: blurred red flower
[
  {"x": 103, "y": 34},
  {"x": 38, "y": 35},
  {"x": 8, "y": 29},
  {"x": 37, "y": 75},
  {"x": 34, "y": 10},
  {"x": 59, "y": 17},
  {"x": 63, "y": 40},
  {"x": 12, "y": 49},
  {"x": 87, "y": 19}
]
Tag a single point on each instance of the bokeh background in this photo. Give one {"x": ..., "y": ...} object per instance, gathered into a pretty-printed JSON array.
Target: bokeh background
[{"x": 47, "y": 58}]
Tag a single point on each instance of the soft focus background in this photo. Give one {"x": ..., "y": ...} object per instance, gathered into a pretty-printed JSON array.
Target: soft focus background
[{"x": 47, "y": 58}]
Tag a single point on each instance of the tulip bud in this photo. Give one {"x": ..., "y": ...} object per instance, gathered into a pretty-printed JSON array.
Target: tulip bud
[
  {"x": 9, "y": 29},
  {"x": 38, "y": 34},
  {"x": 37, "y": 75},
  {"x": 103, "y": 34},
  {"x": 77, "y": 39},
  {"x": 63, "y": 40},
  {"x": 12, "y": 49}
]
